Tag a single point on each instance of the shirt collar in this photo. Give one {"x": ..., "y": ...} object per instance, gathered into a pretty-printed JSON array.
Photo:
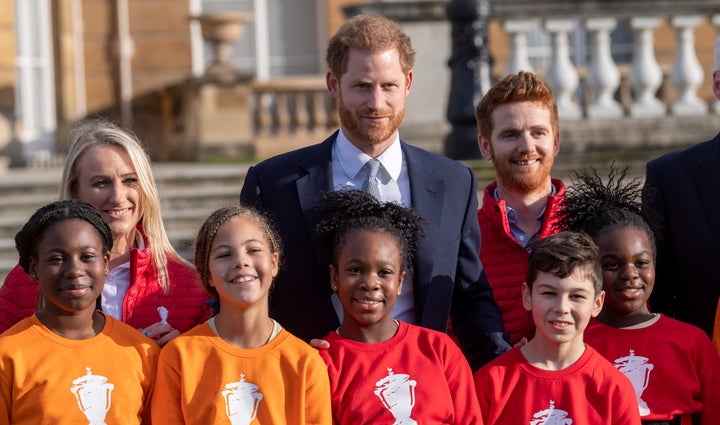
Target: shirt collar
[
  {"x": 512, "y": 215},
  {"x": 352, "y": 159}
]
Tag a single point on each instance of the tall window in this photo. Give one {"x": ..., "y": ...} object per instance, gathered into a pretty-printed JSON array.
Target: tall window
[{"x": 35, "y": 91}]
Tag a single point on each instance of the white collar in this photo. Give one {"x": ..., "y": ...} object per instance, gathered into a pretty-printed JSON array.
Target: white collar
[{"x": 352, "y": 159}]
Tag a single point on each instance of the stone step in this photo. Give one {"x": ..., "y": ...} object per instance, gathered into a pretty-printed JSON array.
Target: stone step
[{"x": 30, "y": 181}]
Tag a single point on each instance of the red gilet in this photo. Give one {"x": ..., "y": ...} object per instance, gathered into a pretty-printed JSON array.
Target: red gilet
[
  {"x": 185, "y": 301},
  {"x": 506, "y": 261}
]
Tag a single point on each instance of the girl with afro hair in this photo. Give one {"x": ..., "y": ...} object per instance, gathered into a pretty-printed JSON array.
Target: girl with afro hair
[{"x": 382, "y": 370}]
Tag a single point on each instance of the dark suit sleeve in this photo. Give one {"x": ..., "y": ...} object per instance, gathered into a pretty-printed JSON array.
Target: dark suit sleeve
[
  {"x": 250, "y": 193},
  {"x": 476, "y": 317},
  {"x": 653, "y": 204}
]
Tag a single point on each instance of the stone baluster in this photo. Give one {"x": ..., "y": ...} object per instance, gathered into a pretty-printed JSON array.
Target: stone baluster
[
  {"x": 646, "y": 75},
  {"x": 716, "y": 65},
  {"x": 604, "y": 77},
  {"x": 320, "y": 115},
  {"x": 263, "y": 113},
  {"x": 562, "y": 76},
  {"x": 301, "y": 117},
  {"x": 519, "y": 57},
  {"x": 687, "y": 74},
  {"x": 282, "y": 117},
  {"x": 333, "y": 116}
]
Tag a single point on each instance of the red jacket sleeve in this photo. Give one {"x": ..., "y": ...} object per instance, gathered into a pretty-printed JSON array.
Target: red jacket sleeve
[{"x": 19, "y": 298}]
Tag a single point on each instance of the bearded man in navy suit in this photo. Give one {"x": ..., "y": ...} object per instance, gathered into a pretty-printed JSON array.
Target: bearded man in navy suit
[
  {"x": 682, "y": 190},
  {"x": 370, "y": 73}
]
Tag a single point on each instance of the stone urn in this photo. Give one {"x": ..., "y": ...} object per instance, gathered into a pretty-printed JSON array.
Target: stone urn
[{"x": 222, "y": 30}]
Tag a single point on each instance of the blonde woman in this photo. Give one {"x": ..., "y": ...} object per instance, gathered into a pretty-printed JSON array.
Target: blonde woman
[{"x": 149, "y": 286}]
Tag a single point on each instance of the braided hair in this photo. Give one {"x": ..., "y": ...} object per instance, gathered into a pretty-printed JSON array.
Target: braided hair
[
  {"x": 29, "y": 237},
  {"x": 344, "y": 211},
  {"x": 208, "y": 231},
  {"x": 592, "y": 205}
]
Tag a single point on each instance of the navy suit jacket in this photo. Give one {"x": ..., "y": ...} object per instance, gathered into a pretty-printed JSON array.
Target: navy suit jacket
[
  {"x": 683, "y": 189},
  {"x": 448, "y": 277}
]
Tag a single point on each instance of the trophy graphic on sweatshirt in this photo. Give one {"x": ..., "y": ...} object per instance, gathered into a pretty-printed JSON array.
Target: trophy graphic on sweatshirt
[
  {"x": 163, "y": 312},
  {"x": 241, "y": 401},
  {"x": 92, "y": 393},
  {"x": 637, "y": 369},
  {"x": 397, "y": 393},
  {"x": 551, "y": 416}
]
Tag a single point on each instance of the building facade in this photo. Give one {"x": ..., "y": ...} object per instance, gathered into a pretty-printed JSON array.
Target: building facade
[{"x": 142, "y": 63}]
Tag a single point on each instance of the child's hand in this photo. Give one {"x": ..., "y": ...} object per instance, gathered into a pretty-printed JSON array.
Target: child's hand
[
  {"x": 319, "y": 344},
  {"x": 161, "y": 332}
]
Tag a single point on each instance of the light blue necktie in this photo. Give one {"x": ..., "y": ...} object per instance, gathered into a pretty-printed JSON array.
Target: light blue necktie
[{"x": 371, "y": 184}]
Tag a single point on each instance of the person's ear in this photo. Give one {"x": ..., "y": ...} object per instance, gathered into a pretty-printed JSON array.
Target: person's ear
[
  {"x": 333, "y": 84},
  {"x": 33, "y": 268},
  {"x": 716, "y": 84},
  {"x": 485, "y": 148},
  {"x": 275, "y": 264},
  {"x": 106, "y": 259},
  {"x": 408, "y": 82},
  {"x": 526, "y": 297},
  {"x": 400, "y": 284},
  {"x": 333, "y": 279},
  {"x": 556, "y": 150},
  {"x": 598, "y": 304}
]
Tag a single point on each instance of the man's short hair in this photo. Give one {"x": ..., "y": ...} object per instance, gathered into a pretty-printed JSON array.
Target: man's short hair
[
  {"x": 561, "y": 254},
  {"x": 368, "y": 33},
  {"x": 521, "y": 87},
  {"x": 717, "y": 53}
]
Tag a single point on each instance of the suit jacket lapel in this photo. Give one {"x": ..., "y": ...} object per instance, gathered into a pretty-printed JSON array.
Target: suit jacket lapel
[
  {"x": 707, "y": 180},
  {"x": 426, "y": 192}
]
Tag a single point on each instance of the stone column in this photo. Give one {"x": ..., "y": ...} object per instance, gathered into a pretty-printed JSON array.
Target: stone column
[
  {"x": 646, "y": 75},
  {"x": 604, "y": 77},
  {"x": 562, "y": 76},
  {"x": 517, "y": 29},
  {"x": 687, "y": 74}
]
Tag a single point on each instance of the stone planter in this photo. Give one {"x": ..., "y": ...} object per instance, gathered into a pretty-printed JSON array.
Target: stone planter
[{"x": 222, "y": 30}]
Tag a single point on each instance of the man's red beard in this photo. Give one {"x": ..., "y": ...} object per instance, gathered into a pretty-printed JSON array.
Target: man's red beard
[
  {"x": 508, "y": 175},
  {"x": 369, "y": 133}
]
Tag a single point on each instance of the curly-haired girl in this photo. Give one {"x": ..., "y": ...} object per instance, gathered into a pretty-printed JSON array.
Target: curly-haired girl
[{"x": 382, "y": 369}]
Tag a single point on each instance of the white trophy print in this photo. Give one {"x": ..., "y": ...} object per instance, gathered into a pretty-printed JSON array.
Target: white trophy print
[
  {"x": 637, "y": 369},
  {"x": 397, "y": 393},
  {"x": 551, "y": 416},
  {"x": 242, "y": 400},
  {"x": 163, "y": 312},
  {"x": 92, "y": 393}
]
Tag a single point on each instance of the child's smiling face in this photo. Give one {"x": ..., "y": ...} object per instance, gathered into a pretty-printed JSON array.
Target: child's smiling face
[
  {"x": 367, "y": 278},
  {"x": 242, "y": 264},
  {"x": 562, "y": 307},
  {"x": 628, "y": 270},
  {"x": 70, "y": 267}
]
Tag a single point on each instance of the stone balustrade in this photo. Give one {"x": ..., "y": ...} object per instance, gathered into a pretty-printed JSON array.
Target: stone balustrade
[
  {"x": 595, "y": 89},
  {"x": 291, "y": 112}
]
